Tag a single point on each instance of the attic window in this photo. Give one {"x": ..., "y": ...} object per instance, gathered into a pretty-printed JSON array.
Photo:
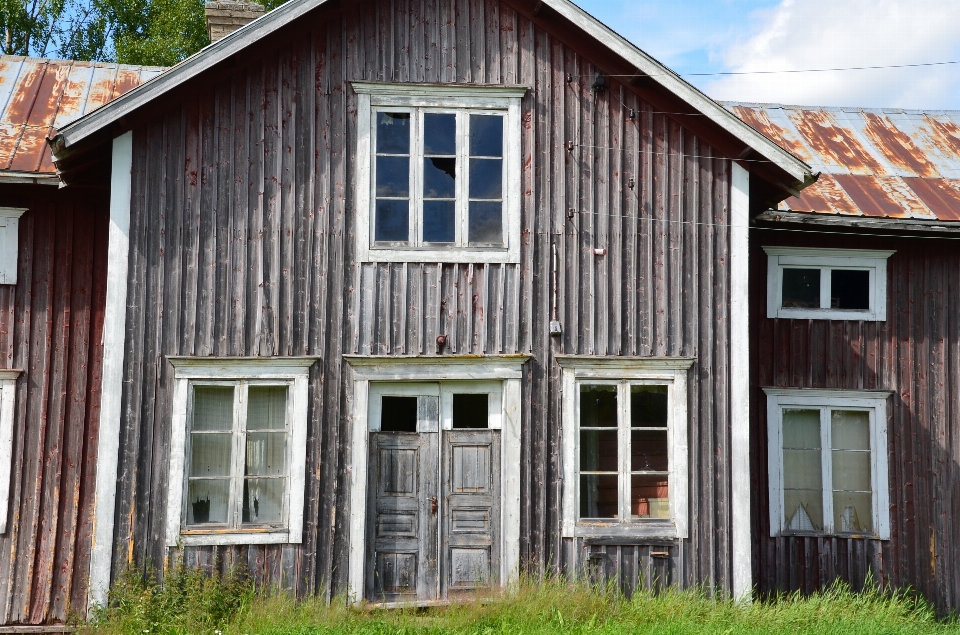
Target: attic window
[
  {"x": 826, "y": 284},
  {"x": 439, "y": 174}
]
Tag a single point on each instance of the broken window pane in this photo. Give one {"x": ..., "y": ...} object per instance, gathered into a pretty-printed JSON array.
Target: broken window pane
[
  {"x": 208, "y": 501},
  {"x": 470, "y": 411},
  {"x": 850, "y": 289},
  {"x": 393, "y": 133},
  {"x": 648, "y": 406},
  {"x": 263, "y": 500},
  {"x": 440, "y": 177},
  {"x": 801, "y": 288},
  {"x": 398, "y": 414},
  {"x": 599, "y": 496},
  {"x": 649, "y": 496}
]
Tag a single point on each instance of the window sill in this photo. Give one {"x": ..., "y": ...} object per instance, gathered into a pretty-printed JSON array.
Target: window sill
[
  {"x": 839, "y": 315},
  {"x": 189, "y": 538},
  {"x": 822, "y": 534},
  {"x": 662, "y": 529},
  {"x": 453, "y": 255}
]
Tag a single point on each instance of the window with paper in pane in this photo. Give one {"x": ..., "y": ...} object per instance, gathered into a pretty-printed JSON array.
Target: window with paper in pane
[
  {"x": 237, "y": 469},
  {"x": 828, "y": 462}
]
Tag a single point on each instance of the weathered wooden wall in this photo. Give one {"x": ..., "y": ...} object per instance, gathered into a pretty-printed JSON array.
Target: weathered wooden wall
[
  {"x": 916, "y": 354},
  {"x": 50, "y": 327},
  {"x": 242, "y": 243}
]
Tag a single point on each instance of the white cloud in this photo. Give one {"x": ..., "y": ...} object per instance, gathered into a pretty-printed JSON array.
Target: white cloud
[{"x": 804, "y": 34}]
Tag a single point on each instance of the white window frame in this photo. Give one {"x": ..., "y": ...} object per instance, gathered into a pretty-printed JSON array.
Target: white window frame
[
  {"x": 501, "y": 374},
  {"x": 671, "y": 372},
  {"x": 872, "y": 401},
  {"x": 8, "y": 402},
  {"x": 288, "y": 371},
  {"x": 373, "y": 97},
  {"x": 826, "y": 260},
  {"x": 9, "y": 243}
]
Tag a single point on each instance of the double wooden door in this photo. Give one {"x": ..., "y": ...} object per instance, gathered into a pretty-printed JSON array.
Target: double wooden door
[{"x": 433, "y": 523}]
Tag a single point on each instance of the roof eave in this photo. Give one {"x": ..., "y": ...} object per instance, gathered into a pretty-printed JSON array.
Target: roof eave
[
  {"x": 728, "y": 121},
  {"x": 90, "y": 124}
]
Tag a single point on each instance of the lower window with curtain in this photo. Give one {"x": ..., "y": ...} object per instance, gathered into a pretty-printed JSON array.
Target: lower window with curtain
[{"x": 828, "y": 462}]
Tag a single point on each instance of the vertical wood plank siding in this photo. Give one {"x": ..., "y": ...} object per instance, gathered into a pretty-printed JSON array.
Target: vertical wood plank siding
[
  {"x": 50, "y": 327},
  {"x": 242, "y": 243},
  {"x": 916, "y": 354}
]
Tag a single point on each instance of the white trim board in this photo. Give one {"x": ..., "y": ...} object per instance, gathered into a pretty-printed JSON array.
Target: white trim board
[
  {"x": 507, "y": 369},
  {"x": 9, "y": 243},
  {"x": 741, "y": 536},
  {"x": 8, "y": 402},
  {"x": 223, "y": 49},
  {"x": 114, "y": 329}
]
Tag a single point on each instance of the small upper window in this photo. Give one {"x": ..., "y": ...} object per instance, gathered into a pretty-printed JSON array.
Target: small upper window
[
  {"x": 827, "y": 284},
  {"x": 827, "y": 461},
  {"x": 440, "y": 173},
  {"x": 9, "y": 240}
]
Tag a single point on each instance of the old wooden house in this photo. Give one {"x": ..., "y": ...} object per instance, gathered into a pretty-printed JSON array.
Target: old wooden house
[
  {"x": 399, "y": 298},
  {"x": 855, "y": 347}
]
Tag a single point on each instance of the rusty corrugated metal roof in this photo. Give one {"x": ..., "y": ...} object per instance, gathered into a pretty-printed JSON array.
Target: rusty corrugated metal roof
[
  {"x": 39, "y": 96},
  {"x": 880, "y": 163}
]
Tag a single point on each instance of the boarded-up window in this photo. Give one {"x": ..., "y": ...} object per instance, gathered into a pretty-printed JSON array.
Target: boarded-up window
[
  {"x": 7, "y": 400},
  {"x": 9, "y": 243}
]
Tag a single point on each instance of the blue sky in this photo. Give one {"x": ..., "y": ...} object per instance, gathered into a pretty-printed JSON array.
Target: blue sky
[{"x": 709, "y": 36}]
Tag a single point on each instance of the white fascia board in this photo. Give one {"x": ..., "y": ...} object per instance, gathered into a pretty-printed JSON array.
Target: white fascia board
[
  {"x": 189, "y": 68},
  {"x": 673, "y": 83},
  {"x": 820, "y": 252}
]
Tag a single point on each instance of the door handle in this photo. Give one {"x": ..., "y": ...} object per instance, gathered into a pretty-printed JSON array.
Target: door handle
[{"x": 433, "y": 505}]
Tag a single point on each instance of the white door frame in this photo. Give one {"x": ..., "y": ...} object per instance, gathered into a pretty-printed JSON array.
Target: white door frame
[{"x": 505, "y": 368}]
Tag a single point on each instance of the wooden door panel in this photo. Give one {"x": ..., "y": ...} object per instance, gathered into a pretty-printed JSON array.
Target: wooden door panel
[
  {"x": 470, "y": 543},
  {"x": 402, "y": 539}
]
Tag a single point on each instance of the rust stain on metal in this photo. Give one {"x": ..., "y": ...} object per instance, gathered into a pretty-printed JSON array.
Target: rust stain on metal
[
  {"x": 869, "y": 196},
  {"x": 897, "y": 146},
  {"x": 38, "y": 95},
  {"x": 833, "y": 142},
  {"x": 899, "y": 164}
]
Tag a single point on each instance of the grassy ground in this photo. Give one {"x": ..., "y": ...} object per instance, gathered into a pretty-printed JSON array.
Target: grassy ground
[{"x": 192, "y": 603}]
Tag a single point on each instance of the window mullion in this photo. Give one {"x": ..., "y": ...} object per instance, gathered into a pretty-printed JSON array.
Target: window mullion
[
  {"x": 463, "y": 174},
  {"x": 236, "y": 477},
  {"x": 825, "y": 288},
  {"x": 416, "y": 179},
  {"x": 623, "y": 436},
  {"x": 827, "y": 468}
]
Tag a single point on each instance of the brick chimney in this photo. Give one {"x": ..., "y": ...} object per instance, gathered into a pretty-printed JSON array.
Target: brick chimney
[{"x": 225, "y": 17}]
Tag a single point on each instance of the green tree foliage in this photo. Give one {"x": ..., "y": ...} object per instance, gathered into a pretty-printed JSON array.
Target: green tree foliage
[{"x": 147, "y": 32}]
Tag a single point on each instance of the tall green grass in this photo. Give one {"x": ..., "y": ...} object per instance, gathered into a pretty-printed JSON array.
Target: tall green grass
[{"x": 191, "y": 602}]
